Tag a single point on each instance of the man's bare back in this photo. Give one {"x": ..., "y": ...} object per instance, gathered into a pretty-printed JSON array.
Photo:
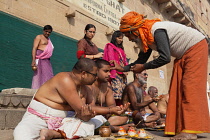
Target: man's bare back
[
  {"x": 51, "y": 93},
  {"x": 59, "y": 95},
  {"x": 62, "y": 93},
  {"x": 163, "y": 103}
]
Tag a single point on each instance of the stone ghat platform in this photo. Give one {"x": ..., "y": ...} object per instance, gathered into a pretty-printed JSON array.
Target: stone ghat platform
[{"x": 13, "y": 104}]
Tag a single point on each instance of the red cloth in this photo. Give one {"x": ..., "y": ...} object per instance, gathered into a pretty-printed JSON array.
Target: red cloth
[
  {"x": 83, "y": 45},
  {"x": 187, "y": 110},
  {"x": 81, "y": 54}
]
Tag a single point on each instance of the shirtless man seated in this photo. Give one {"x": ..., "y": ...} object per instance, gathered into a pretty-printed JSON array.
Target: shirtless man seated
[
  {"x": 133, "y": 93},
  {"x": 62, "y": 93},
  {"x": 162, "y": 106},
  {"x": 153, "y": 93},
  {"x": 101, "y": 95}
]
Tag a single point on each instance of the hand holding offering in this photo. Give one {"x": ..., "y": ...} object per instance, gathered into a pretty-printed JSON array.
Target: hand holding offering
[{"x": 115, "y": 66}]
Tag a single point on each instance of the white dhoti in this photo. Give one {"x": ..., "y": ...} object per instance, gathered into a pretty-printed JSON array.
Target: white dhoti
[
  {"x": 33, "y": 122},
  {"x": 30, "y": 126},
  {"x": 76, "y": 127},
  {"x": 98, "y": 120}
]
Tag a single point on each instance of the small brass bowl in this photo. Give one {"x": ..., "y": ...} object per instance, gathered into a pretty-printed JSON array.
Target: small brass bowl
[{"x": 34, "y": 68}]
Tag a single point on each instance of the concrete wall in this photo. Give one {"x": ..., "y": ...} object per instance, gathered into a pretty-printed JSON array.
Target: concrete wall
[{"x": 54, "y": 12}]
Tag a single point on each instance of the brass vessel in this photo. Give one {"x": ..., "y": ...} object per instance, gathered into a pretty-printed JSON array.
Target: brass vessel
[
  {"x": 34, "y": 68},
  {"x": 104, "y": 131}
]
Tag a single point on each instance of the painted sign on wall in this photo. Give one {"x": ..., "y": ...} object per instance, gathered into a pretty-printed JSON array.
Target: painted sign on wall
[{"x": 108, "y": 11}]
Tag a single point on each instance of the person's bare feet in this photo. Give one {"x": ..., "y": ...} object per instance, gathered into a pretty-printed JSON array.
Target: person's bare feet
[
  {"x": 137, "y": 118},
  {"x": 44, "y": 135},
  {"x": 115, "y": 129},
  {"x": 146, "y": 125},
  {"x": 184, "y": 136},
  {"x": 151, "y": 124}
]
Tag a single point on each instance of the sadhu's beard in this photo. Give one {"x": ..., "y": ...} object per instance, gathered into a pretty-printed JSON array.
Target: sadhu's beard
[
  {"x": 139, "y": 43},
  {"x": 141, "y": 81}
]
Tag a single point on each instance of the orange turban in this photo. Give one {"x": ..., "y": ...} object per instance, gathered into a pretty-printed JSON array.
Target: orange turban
[{"x": 132, "y": 21}]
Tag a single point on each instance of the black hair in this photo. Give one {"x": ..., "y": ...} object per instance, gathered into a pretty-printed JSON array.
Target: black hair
[
  {"x": 114, "y": 41},
  {"x": 48, "y": 27},
  {"x": 101, "y": 62},
  {"x": 87, "y": 27},
  {"x": 84, "y": 64},
  {"x": 134, "y": 75}
]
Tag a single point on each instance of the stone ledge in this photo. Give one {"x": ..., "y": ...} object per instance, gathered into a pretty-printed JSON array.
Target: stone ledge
[
  {"x": 19, "y": 91},
  {"x": 9, "y": 118},
  {"x": 14, "y": 101},
  {"x": 16, "y": 98}
]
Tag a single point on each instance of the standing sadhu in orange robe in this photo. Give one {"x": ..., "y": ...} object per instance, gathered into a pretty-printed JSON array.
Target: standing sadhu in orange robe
[{"x": 187, "y": 113}]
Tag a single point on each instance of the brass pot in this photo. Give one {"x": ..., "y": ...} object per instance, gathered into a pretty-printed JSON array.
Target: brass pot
[
  {"x": 105, "y": 131},
  {"x": 34, "y": 68}
]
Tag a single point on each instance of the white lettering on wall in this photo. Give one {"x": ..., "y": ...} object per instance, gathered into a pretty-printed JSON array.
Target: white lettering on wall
[{"x": 108, "y": 11}]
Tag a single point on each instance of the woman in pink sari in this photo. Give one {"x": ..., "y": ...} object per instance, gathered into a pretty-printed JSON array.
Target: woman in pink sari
[{"x": 115, "y": 51}]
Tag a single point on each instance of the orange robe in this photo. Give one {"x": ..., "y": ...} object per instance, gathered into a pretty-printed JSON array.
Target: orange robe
[{"x": 187, "y": 110}]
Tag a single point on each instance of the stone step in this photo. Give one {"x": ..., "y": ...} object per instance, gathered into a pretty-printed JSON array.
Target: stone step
[
  {"x": 9, "y": 118},
  {"x": 13, "y": 104}
]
